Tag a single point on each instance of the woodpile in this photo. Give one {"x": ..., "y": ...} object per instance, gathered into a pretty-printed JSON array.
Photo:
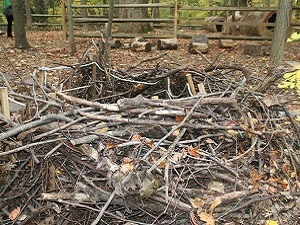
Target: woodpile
[{"x": 116, "y": 149}]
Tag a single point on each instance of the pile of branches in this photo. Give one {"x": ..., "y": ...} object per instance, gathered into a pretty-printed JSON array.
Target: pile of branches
[{"x": 146, "y": 150}]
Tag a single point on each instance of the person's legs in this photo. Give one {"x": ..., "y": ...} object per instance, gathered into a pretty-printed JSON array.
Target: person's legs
[{"x": 9, "y": 25}]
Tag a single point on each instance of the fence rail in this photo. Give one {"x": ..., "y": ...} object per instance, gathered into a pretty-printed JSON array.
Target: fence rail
[{"x": 176, "y": 21}]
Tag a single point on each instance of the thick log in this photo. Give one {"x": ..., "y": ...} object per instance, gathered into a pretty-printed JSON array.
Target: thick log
[
  {"x": 201, "y": 47},
  {"x": 252, "y": 49},
  {"x": 227, "y": 29},
  {"x": 115, "y": 43},
  {"x": 213, "y": 27},
  {"x": 260, "y": 18},
  {"x": 140, "y": 44},
  {"x": 198, "y": 43},
  {"x": 226, "y": 43},
  {"x": 167, "y": 44}
]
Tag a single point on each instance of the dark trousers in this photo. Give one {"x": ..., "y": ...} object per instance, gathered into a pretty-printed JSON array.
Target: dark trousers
[{"x": 9, "y": 19}]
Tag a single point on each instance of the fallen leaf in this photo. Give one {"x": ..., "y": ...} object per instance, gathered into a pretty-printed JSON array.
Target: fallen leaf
[
  {"x": 206, "y": 217},
  {"x": 214, "y": 204},
  {"x": 127, "y": 166},
  {"x": 293, "y": 174},
  {"x": 193, "y": 151},
  {"x": 14, "y": 213},
  {"x": 232, "y": 132},
  {"x": 136, "y": 137},
  {"x": 178, "y": 156},
  {"x": 197, "y": 202},
  {"x": 179, "y": 118},
  {"x": 285, "y": 184},
  {"x": 271, "y": 222}
]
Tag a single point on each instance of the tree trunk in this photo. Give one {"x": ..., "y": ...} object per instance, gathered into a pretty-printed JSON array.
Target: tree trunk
[
  {"x": 28, "y": 13},
  {"x": 19, "y": 19},
  {"x": 135, "y": 27},
  {"x": 281, "y": 27},
  {"x": 84, "y": 14}
]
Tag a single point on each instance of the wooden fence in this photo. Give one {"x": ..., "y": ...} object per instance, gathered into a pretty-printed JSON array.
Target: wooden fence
[{"x": 171, "y": 25}]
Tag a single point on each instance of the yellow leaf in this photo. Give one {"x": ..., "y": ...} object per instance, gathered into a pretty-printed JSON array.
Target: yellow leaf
[
  {"x": 284, "y": 84},
  {"x": 215, "y": 203},
  {"x": 297, "y": 67},
  {"x": 209, "y": 219},
  {"x": 271, "y": 222},
  {"x": 14, "y": 213},
  {"x": 232, "y": 132},
  {"x": 293, "y": 174},
  {"x": 288, "y": 75}
]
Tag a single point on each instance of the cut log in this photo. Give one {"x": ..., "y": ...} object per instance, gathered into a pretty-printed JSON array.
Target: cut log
[
  {"x": 227, "y": 29},
  {"x": 199, "y": 43},
  {"x": 213, "y": 27},
  {"x": 167, "y": 44},
  {"x": 257, "y": 18},
  {"x": 252, "y": 49},
  {"x": 226, "y": 43},
  {"x": 115, "y": 43},
  {"x": 140, "y": 44}
]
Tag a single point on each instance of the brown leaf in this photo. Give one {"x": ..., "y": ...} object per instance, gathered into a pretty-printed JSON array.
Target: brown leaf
[
  {"x": 193, "y": 151},
  {"x": 14, "y": 213},
  {"x": 206, "y": 217},
  {"x": 197, "y": 202},
  {"x": 136, "y": 137}
]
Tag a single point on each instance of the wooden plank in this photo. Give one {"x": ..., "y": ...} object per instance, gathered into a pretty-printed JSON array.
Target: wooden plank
[
  {"x": 125, "y": 6},
  {"x": 119, "y": 20}
]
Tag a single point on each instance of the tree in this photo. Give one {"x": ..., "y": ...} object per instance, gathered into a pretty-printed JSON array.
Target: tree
[
  {"x": 135, "y": 13},
  {"x": 19, "y": 20},
  {"x": 84, "y": 14},
  {"x": 280, "y": 32},
  {"x": 28, "y": 13}
]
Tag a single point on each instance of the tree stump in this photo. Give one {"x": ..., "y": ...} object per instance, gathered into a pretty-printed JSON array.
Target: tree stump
[
  {"x": 252, "y": 49},
  {"x": 199, "y": 43},
  {"x": 228, "y": 44},
  {"x": 167, "y": 44},
  {"x": 140, "y": 44}
]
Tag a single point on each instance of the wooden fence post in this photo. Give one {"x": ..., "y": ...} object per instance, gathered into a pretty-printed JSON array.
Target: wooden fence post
[
  {"x": 4, "y": 102},
  {"x": 63, "y": 19},
  {"x": 175, "y": 18},
  {"x": 71, "y": 27}
]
